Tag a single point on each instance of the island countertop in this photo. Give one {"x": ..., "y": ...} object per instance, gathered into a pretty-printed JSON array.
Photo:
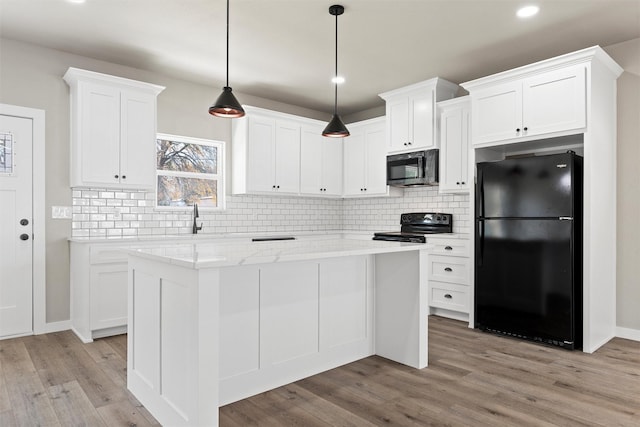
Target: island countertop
[{"x": 221, "y": 254}]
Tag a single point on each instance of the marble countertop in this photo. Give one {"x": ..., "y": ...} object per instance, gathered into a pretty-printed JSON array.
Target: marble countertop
[
  {"x": 195, "y": 238},
  {"x": 225, "y": 254}
]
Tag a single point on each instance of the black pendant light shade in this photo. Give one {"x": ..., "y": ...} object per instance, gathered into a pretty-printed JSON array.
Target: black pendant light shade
[
  {"x": 336, "y": 128},
  {"x": 227, "y": 105}
]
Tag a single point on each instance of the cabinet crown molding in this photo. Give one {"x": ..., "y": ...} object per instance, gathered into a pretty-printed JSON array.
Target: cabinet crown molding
[
  {"x": 249, "y": 109},
  {"x": 588, "y": 55},
  {"x": 74, "y": 75},
  {"x": 431, "y": 83}
]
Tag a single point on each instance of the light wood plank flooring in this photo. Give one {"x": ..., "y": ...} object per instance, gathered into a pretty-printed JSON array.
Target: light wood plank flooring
[{"x": 473, "y": 379}]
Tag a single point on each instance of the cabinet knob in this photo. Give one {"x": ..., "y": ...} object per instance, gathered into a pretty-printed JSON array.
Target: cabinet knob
[
  {"x": 448, "y": 269},
  {"x": 124, "y": 176},
  {"x": 448, "y": 248},
  {"x": 518, "y": 130},
  {"x": 448, "y": 296},
  {"x": 462, "y": 182},
  {"x": 405, "y": 144},
  {"x": 365, "y": 189},
  {"x": 408, "y": 143},
  {"x": 277, "y": 186},
  {"x": 116, "y": 176},
  {"x": 362, "y": 189},
  {"x": 24, "y": 222},
  {"x": 458, "y": 183},
  {"x": 273, "y": 186},
  {"x": 24, "y": 237},
  {"x": 525, "y": 129}
]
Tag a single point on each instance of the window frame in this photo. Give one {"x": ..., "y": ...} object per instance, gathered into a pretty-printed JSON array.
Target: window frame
[{"x": 218, "y": 177}]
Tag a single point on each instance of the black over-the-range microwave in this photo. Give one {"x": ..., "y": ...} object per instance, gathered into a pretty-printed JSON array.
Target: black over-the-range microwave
[{"x": 412, "y": 169}]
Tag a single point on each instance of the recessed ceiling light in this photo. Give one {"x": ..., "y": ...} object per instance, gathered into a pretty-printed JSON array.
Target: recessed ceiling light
[
  {"x": 76, "y": 1},
  {"x": 527, "y": 11},
  {"x": 337, "y": 80}
]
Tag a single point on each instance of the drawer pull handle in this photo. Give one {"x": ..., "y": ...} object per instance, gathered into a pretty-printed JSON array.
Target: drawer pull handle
[
  {"x": 448, "y": 269},
  {"x": 448, "y": 296},
  {"x": 448, "y": 248}
]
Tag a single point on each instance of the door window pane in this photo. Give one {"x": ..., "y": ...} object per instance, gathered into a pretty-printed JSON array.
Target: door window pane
[{"x": 6, "y": 153}]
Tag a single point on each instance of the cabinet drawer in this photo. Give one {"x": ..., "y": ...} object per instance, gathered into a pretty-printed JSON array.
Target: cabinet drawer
[
  {"x": 449, "y": 296},
  {"x": 459, "y": 247},
  {"x": 450, "y": 269},
  {"x": 107, "y": 253}
]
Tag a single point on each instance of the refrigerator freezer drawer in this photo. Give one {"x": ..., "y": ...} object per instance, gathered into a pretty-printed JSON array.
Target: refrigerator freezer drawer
[
  {"x": 449, "y": 269},
  {"x": 449, "y": 296}
]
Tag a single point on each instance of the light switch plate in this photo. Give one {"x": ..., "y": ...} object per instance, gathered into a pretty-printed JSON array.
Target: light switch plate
[{"x": 61, "y": 212}]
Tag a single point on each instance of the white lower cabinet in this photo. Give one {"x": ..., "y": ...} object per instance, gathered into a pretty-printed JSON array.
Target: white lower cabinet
[
  {"x": 98, "y": 290},
  {"x": 108, "y": 296},
  {"x": 278, "y": 318},
  {"x": 449, "y": 278}
]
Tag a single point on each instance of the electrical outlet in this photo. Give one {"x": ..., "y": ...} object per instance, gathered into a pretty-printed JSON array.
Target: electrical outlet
[{"x": 61, "y": 212}]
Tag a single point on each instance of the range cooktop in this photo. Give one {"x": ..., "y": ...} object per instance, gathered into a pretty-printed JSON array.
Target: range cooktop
[{"x": 415, "y": 225}]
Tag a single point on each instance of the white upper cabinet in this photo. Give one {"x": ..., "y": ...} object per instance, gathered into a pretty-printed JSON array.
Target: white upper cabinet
[
  {"x": 365, "y": 161},
  {"x": 455, "y": 127},
  {"x": 266, "y": 153},
  {"x": 113, "y": 131},
  {"x": 320, "y": 163},
  {"x": 544, "y": 104},
  {"x": 412, "y": 116}
]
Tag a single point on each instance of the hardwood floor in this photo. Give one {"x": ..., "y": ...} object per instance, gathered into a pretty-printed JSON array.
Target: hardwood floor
[{"x": 473, "y": 379}]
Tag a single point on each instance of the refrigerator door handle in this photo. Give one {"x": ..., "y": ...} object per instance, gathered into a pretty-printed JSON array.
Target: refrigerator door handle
[
  {"x": 481, "y": 193},
  {"x": 566, "y": 218},
  {"x": 480, "y": 254}
]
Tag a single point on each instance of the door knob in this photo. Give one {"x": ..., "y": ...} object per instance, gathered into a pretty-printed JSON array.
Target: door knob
[
  {"x": 24, "y": 237},
  {"x": 24, "y": 222}
]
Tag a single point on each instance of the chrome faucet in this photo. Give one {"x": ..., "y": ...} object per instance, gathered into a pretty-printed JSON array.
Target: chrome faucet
[{"x": 195, "y": 228}]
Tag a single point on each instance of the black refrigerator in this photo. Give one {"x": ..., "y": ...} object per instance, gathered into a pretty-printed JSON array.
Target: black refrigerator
[{"x": 528, "y": 248}]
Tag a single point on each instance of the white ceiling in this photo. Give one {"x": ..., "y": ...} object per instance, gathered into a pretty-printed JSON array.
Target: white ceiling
[{"x": 284, "y": 49}]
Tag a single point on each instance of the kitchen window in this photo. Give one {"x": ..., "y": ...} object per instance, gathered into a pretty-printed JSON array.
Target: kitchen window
[{"x": 189, "y": 171}]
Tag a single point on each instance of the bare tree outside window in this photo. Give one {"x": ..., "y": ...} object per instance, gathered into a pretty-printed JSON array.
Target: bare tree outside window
[{"x": 189, "y": 171}]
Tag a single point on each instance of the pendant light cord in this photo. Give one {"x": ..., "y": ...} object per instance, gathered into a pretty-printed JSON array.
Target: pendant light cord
[
  {"x": 227, "y": 43},
  {"x": 335, "y": 76}
]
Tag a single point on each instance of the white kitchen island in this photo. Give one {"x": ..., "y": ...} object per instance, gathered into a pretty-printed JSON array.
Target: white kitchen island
[{"x": 213, "y": 323}]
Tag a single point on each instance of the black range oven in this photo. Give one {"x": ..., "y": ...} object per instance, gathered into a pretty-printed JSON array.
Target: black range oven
[{"x": 415, "y": 225}]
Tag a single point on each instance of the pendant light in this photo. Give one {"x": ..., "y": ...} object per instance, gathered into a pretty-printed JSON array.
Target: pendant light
[
  {"x": 227, "y": 105},
  {"x": 335, "y": 128}
]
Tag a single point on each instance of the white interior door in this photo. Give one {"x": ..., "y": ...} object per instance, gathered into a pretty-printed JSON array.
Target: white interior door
[{"x": 16, "y": 226}]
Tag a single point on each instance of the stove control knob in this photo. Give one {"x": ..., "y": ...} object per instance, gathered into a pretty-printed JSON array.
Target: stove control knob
[{"x": 405, "y": 219}]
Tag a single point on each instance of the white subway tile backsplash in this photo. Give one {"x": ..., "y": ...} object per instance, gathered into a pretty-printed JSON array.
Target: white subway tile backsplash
[{"x": 99, "y": 213}]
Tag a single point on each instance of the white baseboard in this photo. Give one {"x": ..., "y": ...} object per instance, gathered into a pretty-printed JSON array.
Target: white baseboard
[
  {"x": 628, "y": 333},
  {"x": 50, "y": 327}
]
